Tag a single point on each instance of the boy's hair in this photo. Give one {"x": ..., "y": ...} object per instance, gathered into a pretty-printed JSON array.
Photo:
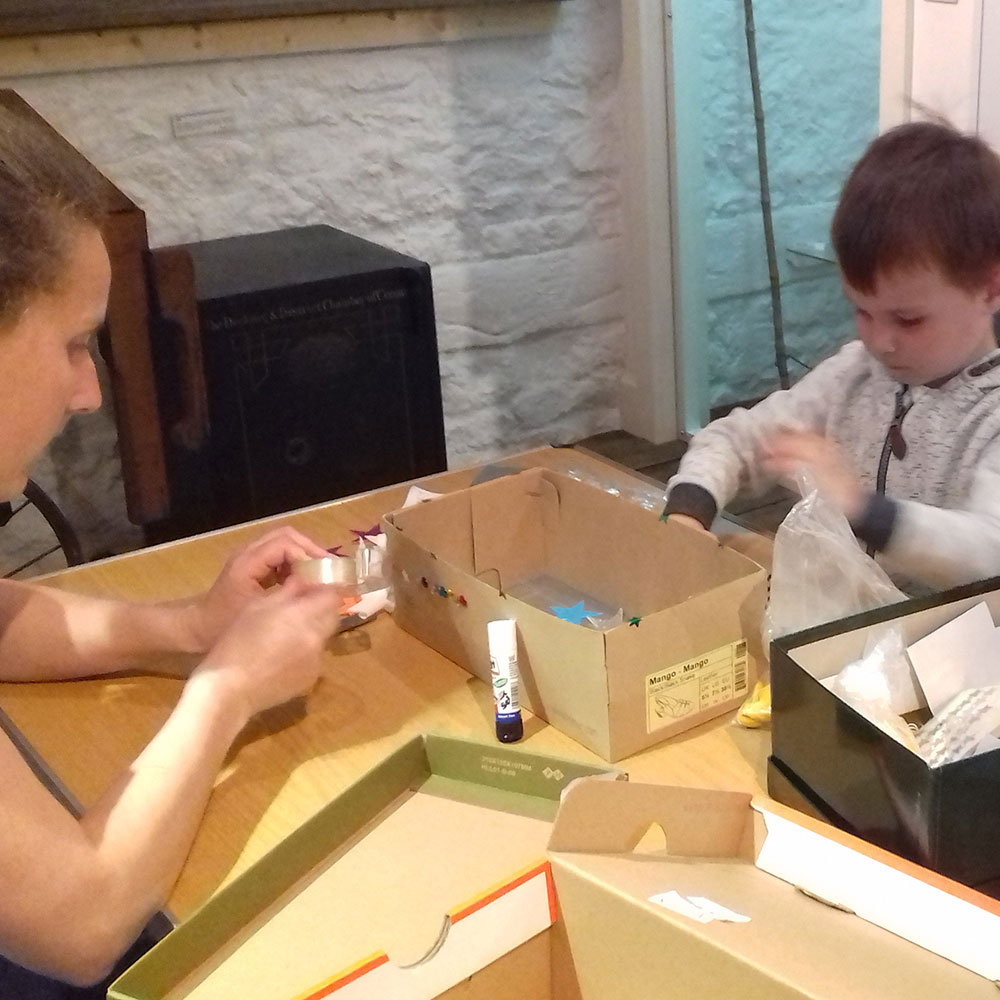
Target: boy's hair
[
  {"x": 44, "y": 189},
  {"x": 923, "y": 194}
]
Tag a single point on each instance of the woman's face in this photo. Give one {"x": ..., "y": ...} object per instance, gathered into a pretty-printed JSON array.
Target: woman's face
[{"x": 46, "y": 369}]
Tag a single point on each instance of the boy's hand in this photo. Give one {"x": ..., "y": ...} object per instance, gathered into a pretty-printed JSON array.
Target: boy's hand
[
  {"x": 688, "y": 521},
  {"x": 246, "y": 576},
  {"x": 786, "y": 453}
]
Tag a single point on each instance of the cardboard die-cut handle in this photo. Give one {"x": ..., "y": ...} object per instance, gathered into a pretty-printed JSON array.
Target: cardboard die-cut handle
[{"x": 601, "y": 817}]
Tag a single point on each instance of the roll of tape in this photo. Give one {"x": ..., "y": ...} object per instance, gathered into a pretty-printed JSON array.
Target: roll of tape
[{"x": 328, "y": 569}]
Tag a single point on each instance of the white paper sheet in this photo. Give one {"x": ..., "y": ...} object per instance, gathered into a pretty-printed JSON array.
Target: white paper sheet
[{"x": 963, "y": 654}]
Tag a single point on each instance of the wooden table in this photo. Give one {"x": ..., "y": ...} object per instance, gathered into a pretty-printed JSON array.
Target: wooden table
[{"x": 380, "y": 687}]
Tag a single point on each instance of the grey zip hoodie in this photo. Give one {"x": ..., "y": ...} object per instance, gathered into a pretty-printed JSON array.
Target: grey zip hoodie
[{"x": 930, "y": 456}]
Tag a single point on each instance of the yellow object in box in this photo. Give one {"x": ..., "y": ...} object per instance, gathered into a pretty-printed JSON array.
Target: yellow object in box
[{"x": 755, "y": 712}]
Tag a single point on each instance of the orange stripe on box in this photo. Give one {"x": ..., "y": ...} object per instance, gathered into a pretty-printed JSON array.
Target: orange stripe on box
[
  {"x": 550, "y": 885},
  {"x": 341, "y": 979},
  {"x": 502, "y": 888}
]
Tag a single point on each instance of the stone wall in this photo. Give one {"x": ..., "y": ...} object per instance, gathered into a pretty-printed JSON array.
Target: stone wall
[{"x": 497, "y": 161}]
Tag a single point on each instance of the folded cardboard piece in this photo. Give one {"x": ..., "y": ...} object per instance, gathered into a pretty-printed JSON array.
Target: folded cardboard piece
[
  {"x": 831, "y": 761},
  {"x": 830, "y": 916},
  {"x": 427, "y": 869},
  {"x": 686, "y": 650}
]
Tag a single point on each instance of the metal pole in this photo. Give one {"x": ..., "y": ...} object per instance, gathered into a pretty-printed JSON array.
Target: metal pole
[{"x": 780, "y": 357}]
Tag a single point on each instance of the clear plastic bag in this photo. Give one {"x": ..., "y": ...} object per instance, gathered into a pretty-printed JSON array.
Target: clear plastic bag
[
  {"x": 880, "y": 685},
  {"x": 819, "y": 571}
]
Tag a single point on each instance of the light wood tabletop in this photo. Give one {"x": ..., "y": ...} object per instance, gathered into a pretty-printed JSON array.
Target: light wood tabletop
[{"x": 380, "y": 687}]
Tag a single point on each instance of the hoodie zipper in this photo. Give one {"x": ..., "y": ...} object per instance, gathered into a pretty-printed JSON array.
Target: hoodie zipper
[{"x": 894, "y": 444}]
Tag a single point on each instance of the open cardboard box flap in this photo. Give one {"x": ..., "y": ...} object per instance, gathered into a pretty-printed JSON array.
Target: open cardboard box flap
[
  {"x": 536, "y": 521},
  {"x": 804, "y": 937}
]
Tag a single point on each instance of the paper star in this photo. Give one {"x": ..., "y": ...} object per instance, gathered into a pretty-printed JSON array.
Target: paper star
[
  {"x": 635, "y": 621},
  {"x": 575, "y": 614},
  {"x": 334, "y": 550},
  {"x": 375, "y": 529}
]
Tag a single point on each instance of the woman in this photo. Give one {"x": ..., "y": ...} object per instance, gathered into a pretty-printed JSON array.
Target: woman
[{"x": 75, "y": 893}]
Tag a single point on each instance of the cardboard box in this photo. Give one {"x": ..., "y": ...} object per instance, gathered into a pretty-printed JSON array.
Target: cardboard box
[
  {"x": 686, "y": 651},
  {"x": 427, "y": 869},
  {"x": 829, "y": 760},
  {"x": 759, "y": 861}
]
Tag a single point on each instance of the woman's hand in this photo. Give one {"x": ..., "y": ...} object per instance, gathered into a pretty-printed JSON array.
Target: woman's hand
[
  {"x": 247, "y": 574},
  {"x": 272, "y": 650}
]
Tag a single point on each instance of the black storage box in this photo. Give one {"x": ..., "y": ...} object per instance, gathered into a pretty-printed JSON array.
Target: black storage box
[{"x": 829, "y": 760}]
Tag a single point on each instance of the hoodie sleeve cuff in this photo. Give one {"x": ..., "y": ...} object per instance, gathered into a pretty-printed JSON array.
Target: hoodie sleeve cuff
[
  {"x": 693, "y": 500},
  {"x": 874, "y": 524}
]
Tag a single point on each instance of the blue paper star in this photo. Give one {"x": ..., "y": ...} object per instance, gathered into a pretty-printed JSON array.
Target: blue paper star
[{"x": 575, "y": 614}]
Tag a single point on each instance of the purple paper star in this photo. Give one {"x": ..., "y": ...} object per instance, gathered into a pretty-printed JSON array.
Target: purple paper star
[
  {"x": 334, "y": 550},
  {"x": 375, "y": 529}
]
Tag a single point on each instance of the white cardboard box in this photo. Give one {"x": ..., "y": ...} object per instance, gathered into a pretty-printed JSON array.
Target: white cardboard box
[{"x": 760, "y": 861}]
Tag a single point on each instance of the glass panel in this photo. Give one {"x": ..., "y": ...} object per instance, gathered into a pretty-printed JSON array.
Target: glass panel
[{"x": 818, "y": 67}]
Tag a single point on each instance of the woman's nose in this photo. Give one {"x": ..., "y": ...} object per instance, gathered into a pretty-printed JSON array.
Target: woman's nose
[{"x": 86, "y": 396}]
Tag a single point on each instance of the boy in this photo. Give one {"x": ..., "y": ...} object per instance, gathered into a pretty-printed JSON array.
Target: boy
[{"x": 901, "y": 428}]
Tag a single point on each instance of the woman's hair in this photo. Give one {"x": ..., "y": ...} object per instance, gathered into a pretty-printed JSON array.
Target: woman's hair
[
  {"x": 923, "y": 194},
  {"x": 45, "y": 188}
]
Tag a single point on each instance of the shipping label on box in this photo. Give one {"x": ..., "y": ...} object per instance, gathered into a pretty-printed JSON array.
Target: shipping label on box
[
  {"x": 686, "y": 604},
  {"x": 696, "y": 685}
]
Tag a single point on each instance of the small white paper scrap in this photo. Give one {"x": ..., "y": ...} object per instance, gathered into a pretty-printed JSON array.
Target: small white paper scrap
[
  {"x": 417, "y": 494},
  {"x": 371, "y": 603},
  {"x": 697, "y": 908}
]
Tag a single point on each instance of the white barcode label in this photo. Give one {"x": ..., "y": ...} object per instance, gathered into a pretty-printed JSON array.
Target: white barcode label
[{"x": 515, "y": 692}]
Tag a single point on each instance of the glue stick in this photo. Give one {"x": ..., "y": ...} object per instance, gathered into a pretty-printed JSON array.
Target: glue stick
[{"x": 502, "y": 637}]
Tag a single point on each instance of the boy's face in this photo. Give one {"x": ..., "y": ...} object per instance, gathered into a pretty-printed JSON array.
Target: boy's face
[
  {"x": 921, "y": 327},
  {"x": 46, "y": 368}
]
